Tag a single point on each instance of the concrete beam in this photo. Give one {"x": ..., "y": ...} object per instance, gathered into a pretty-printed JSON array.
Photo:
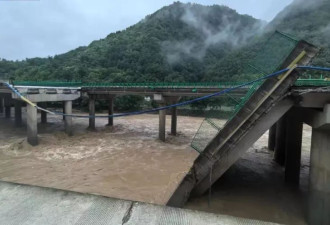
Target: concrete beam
[
  {"x": 319, "y": 178},
  {"x": 91, "y": 106},
  {"x": 18, "y": 113},
  {"x": 32, "y": 125},
  {"x": 68, "y": 119},
  {"x": 159, "y": 98},
  {"x": 272, "y": 137},
  {"x": 294, "y": 129},
  {"x": 162, "y": 125},
  {"x": 166, "y": 91},
  {"x": 279, "y": 154},
  {"x": 37, "y": 94},
  {"x": 313, "y": 99},
  {"x": 316, "y": 118}
]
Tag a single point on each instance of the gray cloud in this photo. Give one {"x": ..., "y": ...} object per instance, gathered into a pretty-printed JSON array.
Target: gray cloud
[
  {"x": 229, "y": 32},
  {"x": 48, "y": 27}
]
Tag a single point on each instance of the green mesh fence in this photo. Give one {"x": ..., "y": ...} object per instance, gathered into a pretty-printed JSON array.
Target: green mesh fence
[
  {"x": 206, "y": 132},
  {"x": 128, "y": 85},
  {"x": 268, "y": 60},
  {"x": 48, "y": 83},
  {"x": 313, "y": 83},
  {"x": 196, "y": 86}
]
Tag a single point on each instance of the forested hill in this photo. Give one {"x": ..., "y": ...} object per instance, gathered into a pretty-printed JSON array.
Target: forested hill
[
  {"x": 180, "y": 42},
  {"x": 177, "y": 43}
]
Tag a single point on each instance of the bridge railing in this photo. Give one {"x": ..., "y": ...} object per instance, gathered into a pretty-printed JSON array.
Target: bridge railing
[
  {"x": 127, "y": 85},
  {"x": 215, "y": 85}
]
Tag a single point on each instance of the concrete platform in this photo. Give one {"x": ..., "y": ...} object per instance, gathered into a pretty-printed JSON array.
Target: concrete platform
[{"x": 20, "y": 204}]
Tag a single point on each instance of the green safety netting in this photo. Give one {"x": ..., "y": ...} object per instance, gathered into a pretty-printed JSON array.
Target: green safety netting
[{"x": 267, "y": 60}]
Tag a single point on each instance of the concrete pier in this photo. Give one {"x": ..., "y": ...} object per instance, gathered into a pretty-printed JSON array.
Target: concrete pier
[
  {"x": 319, "y": 181},
  {"x": 63, "y": 109},
  {"x": 18, "y": 113},
  {"x": 272, "y": 138},
  {"x": 110, "y": 111},
  {"x": 68, "y": 119},
  {"x": 319, "y": 175},
  {"x": 7, "y": 107},
  {"x": 162, "y": 125},
  {"x": 174, "y": 121},
  {"x": 294, "y": 128},
  {"x": 43, "y": 113},
  {"x": 91, "y": 106},
  {"x": 32, "y": 128},
  {"x": 279, "y": 154},
  {"x": 1, "y": 104},
  {"x": 40, "y": 96}
]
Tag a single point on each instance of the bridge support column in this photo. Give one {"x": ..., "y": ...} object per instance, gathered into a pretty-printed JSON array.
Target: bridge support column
[
  {"x": 162, "y": 125},
  {"x": 1, "y": 104},
  {"x": 7, "y": 107},
  {"x": 170, "y": 100},
  {"x": 319, "y": 175},
  {"x": 294, "y": 128},
  {"x": 272, "y": 138},
  {"x": 32, "y": 126},
  {"x": 68, "y": 119},
  {"x": 319, "y": 180},
  {"x": 174, "y": 121},
  {"x": 63, "y": 110},
  {"x": 43, "y": 113},
  {"x": 279, "y": 154},
  {"x": 110, "y": 111},
  {"x": 91, "y": 113},
  {"x": 18, "y": 113}
]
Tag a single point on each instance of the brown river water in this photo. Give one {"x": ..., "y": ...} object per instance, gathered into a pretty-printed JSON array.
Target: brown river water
[{"x": 127, "y": 161}]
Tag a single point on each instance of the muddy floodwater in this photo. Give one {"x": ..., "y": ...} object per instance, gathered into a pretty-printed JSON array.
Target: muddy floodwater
[{"x": 127, "y": 161}]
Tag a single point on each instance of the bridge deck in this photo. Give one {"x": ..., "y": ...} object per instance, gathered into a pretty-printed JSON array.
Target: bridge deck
[{"x": 146, "y": 89}]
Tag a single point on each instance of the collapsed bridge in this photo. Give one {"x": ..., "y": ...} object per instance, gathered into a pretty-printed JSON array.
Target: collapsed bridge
[{"x": 281, "y": 104}]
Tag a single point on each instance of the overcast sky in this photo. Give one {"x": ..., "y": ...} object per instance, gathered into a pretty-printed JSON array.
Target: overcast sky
[{"x": 41, "y": 28}]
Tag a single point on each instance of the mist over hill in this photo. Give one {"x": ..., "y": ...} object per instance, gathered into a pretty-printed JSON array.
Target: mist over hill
[
  {"x": 180, "y": 42},
  {"x": 309, "y": 20}
]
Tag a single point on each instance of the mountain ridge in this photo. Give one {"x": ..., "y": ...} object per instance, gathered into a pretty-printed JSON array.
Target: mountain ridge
[
  {"x": 180, "y": 43},
  {"x": 172, "y": 44}
]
